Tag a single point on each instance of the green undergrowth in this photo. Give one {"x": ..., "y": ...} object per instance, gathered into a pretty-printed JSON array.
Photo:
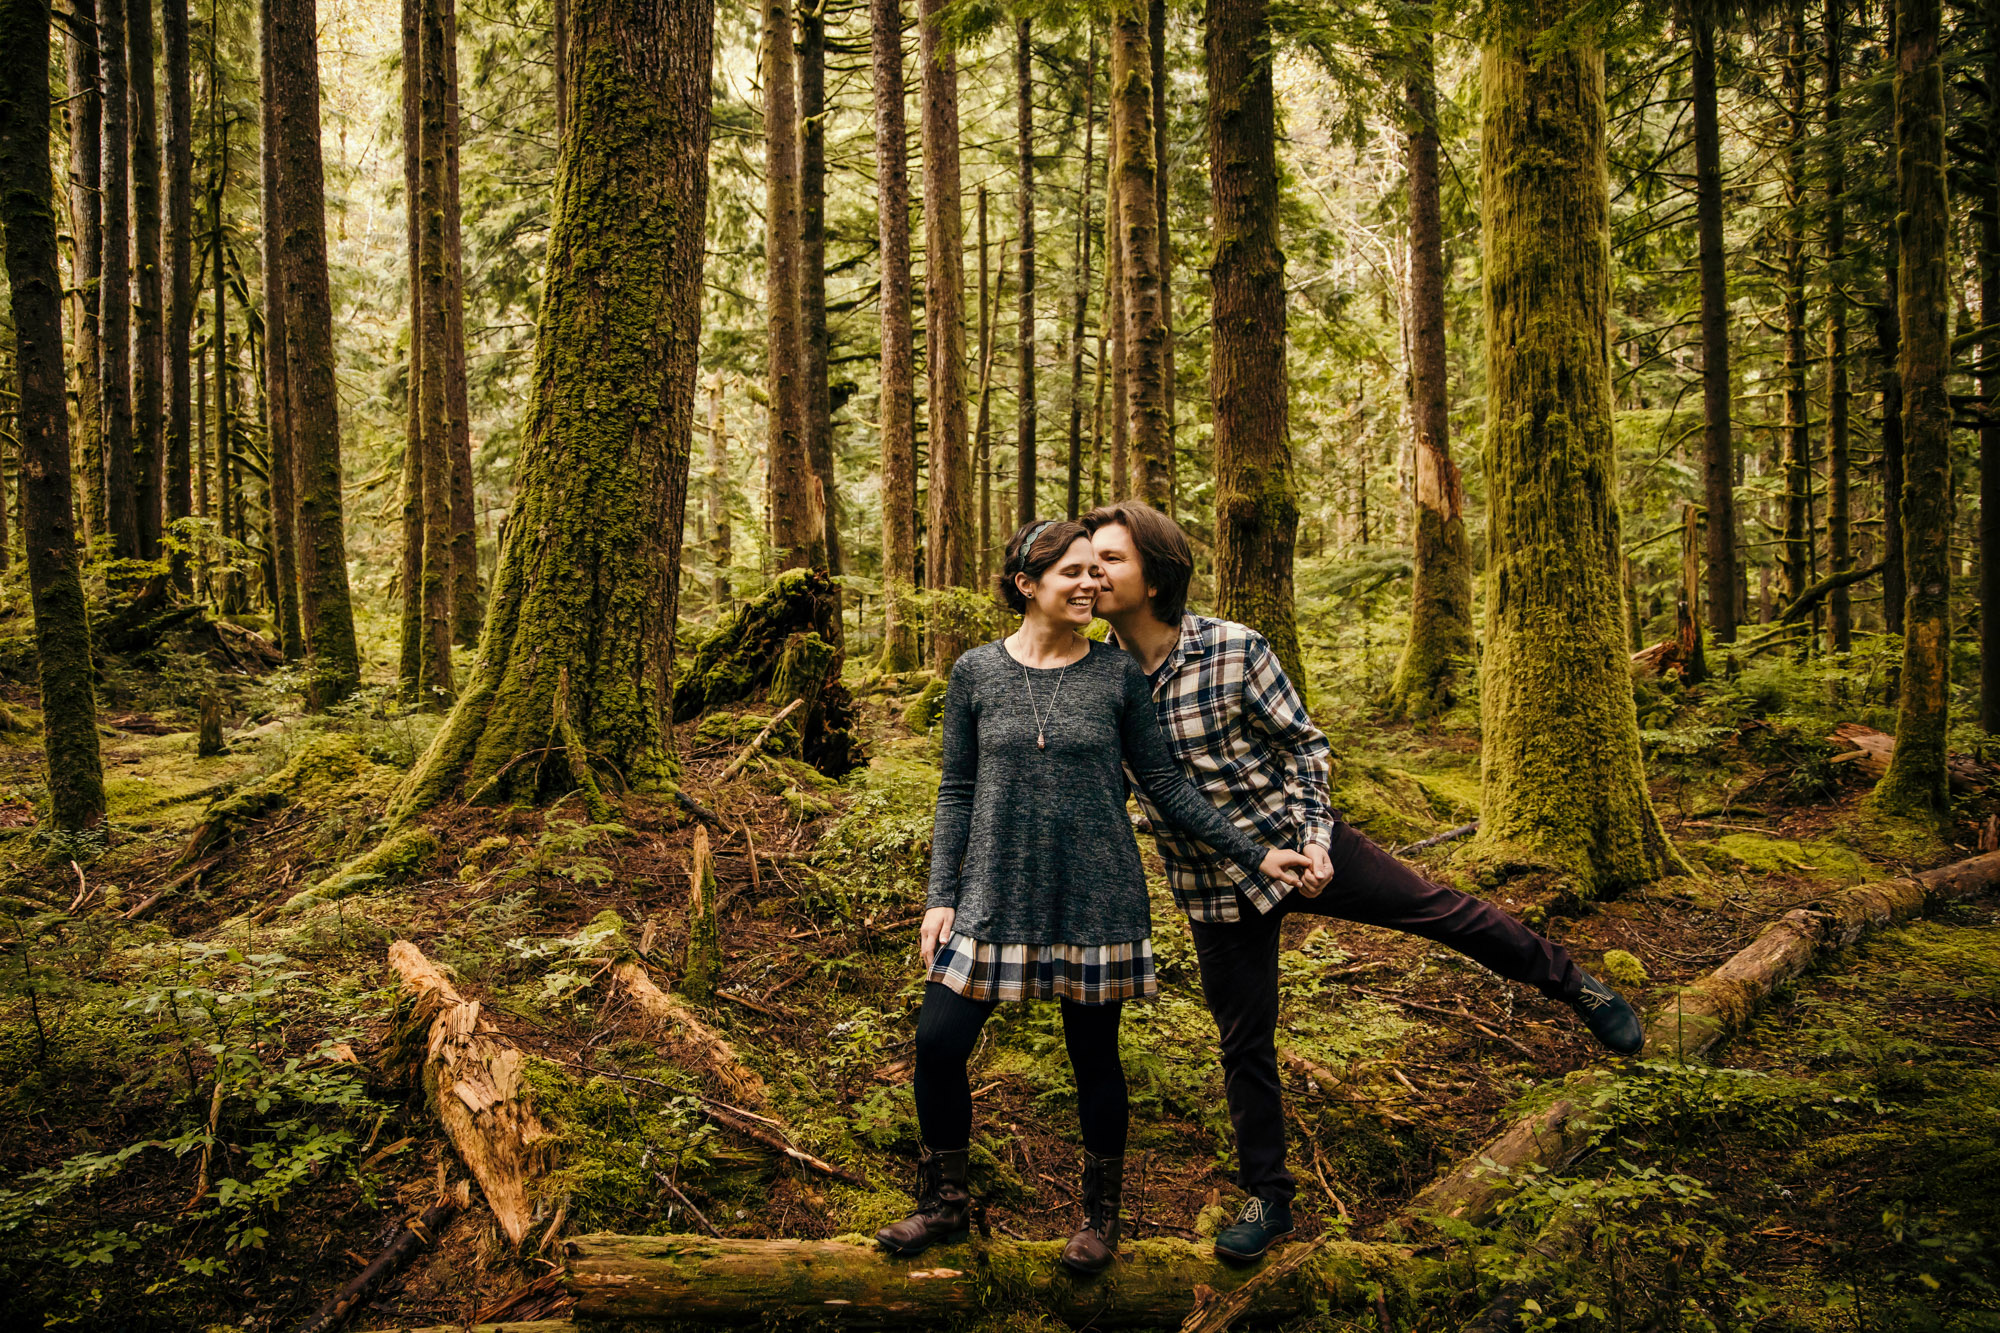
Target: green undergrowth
[{"x": 1757, "y": 854}]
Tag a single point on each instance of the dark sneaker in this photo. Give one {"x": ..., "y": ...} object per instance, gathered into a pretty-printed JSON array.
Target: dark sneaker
[
  {"x": 1261, "y": 1224},
  {"x": 1609, "y": 1016}
]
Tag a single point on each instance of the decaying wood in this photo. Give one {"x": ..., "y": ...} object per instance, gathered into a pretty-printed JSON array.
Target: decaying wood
[
  {"x": 418, "y": 1233},
  {"x": 756, "y": 746},
  {"x": 1691, "y": 1025},
  {"x": 769, "y": 1133},
  {"x": 702, "y": 1280},
  {"x": 509, "y": 1326},
  {"x": 1871, "y": 749},
  {"x": 1215, "y": 1311},
  {"x": 472, "y": 1079},
  {"x": 680, "y": 1026}
]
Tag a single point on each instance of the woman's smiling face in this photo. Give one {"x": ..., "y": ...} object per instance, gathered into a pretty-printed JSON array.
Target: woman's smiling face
[{"x": 1066, "y": 593}]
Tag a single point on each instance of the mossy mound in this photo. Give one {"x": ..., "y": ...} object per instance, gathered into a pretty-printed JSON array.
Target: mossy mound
[
  {"x": 1393, "y": 806},
  {"x": 739, "y": 729},
  {"x": 394, "y": 857},
  {"x": 1757, "y": 854},
  {"x": 1893, "y": 837},
  {"x": 922, "y": 714},
  {"x": 324, "y": 771}
]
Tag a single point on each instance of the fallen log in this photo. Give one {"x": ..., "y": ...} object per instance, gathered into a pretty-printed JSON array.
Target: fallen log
[
  {"x": 418, "y": 1233},
  {"x": 472, "y": 1079},
  {"x": 1689, "y": 1027},
  {"x": 1214, "y": 1312},
  {"x": 509, "y": 1326},
  {"x": 680, "y": 1026},
  {"x": 699, "y": 1280},
  {"x": 1872, "y": 749}
]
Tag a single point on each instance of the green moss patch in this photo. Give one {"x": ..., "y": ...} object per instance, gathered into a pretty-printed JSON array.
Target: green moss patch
[{"x": 1756, "y": 854}]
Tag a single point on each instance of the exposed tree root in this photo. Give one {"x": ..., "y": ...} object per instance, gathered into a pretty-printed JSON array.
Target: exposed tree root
[{"x": 472, "y": 1079}]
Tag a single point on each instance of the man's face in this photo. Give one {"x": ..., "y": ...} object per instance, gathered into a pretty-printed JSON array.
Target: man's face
[{"x": 1122, "y": 578}]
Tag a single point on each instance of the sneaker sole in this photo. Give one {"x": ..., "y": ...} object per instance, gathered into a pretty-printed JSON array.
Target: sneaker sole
[{"x": 1239, "y": 1257}]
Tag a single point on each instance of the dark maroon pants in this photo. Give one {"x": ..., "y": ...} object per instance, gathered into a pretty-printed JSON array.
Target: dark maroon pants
[{"x": 1239, "y": 976}]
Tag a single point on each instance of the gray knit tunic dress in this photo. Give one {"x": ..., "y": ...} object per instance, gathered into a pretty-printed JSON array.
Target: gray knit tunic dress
[{"x": 1032, "y": 845}]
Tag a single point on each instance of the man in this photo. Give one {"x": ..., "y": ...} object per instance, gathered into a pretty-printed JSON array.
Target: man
[{"x": 1239, "y": 728}]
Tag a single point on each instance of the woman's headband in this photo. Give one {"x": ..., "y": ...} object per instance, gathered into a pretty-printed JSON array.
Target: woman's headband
[{"x": 1028, "y": 546}]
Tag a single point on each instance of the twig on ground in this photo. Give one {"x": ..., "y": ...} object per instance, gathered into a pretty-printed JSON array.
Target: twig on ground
[
  {"x": 687, "y": 1203},
  {"x": 1461, "y": 1014},
  {"x": 1449, "y": 835},
  {"x": 757, "y": 745}
]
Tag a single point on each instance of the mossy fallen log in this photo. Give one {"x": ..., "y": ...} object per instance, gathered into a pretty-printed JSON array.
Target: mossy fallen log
[
  {"x": 1155, "y": 1283},
  {"x": 504, "y": 1326},
  {"x": 1690, "y": 1026}
]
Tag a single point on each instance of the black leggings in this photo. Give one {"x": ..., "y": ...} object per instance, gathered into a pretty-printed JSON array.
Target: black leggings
[{"x": 947, "y": 1030}]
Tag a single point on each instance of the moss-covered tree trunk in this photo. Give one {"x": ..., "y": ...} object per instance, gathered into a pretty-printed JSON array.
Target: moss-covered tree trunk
[
  {"x": 277, "y": 397},
  {"x": 1839, "y": 524},
  {"x": 794, "y": 523},
  {"x": 582, "y": 609},
  {"x": 1139, "y": 254},
  {"x": 148, "y": 393},
  {"x": 1562, "y": 779},
  {"x": 1989, "y": 384},
  {"x": 1256, "y": 509},
  {"x": 897, "y": 410},
  {"x": 949, "y": 536},
  {"x": 816, "y": 401},
  {"x": 1156, "y": 38},
  {"x": 335, "y": 659},
  {"x": 1916, "y": 784},
  {"x": 465, "y": 607},
  {"x": 1081, "y": 295},
  {"x": 179, "y": 260},
  {"x": 85, "y": 109},
  {"x": 718, "y": 491},
  {"x": 121, "y": 518},
  {"x": 1440, "y": 643},
  {"x": 410, "y": 656},
  {"x": 27, "y": 217},
  {"x": 1718, "y": 459},
  {"x": 1114, "y": 314},
  {"x": 1889, "y": 389},
  {"x": 1025, "y": 467},
  {"x": 1797, "y": 426},
  {"x": 434, "y": 678}
]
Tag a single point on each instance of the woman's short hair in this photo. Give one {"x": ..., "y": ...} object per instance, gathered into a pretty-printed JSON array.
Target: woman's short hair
[
  {"x": 1032, "y": 549},
  {"x": 1165, "y": 557}
]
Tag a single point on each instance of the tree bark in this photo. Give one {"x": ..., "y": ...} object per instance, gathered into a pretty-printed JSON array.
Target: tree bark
[
  {"x": 1797, "y": 424},
  {"x": 1563, "y": 782},
  {"x": 816, "y": 403},
  {"x": 115, "y": 305},
  {"x": 1839, "y": 527},
  {"x": 277, "y": 388},
  {"x": 897, "y": 408},
  {"x": 181, "y": 294},
  {"x": 1156, "y": 35},
  {"x": 325, "y": 606},
  {"x": 1139, "y": 254},
  {"x": 86, "y": 175},
  {"x": 1026, "y": 463},
  {"x": 465, "y": 608},
  {"x": 1114, "y": 309},
  {"x": 1889, "y": 390},
  {"x": 795, "y": 529},
  {"x": 1081, "y": 295},
  {"x": 982, "y": 435},
  {"x": 55, "y": 584},
  {"x": 1718, "y": 458},
  {"x": 1916, "y": 784},
  {"x": 148, "y": 457},
  {"x": 718, "y": 491},
  {"x": 1989, "y": 386},
  {"x": 1256, "y": 509},
  {"x": 583, "y": 606},
  {"x": 411, "y": 570},
  {"x": 947, "y": 562},
  {"x": 224, "y": 372},
  {"x": 559, "y": 57},
  {"x": 434, "y": 677},
  {"x": 1440, "y": 642}
]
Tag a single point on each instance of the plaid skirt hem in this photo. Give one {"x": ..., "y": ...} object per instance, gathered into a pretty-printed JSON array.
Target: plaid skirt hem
[{"x": 1081, "y": 973}]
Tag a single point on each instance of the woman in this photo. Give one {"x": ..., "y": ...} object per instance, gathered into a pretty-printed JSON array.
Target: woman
[{"x": 1036, "y": 888}]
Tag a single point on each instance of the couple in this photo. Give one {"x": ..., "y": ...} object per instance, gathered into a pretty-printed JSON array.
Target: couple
[{"x": 1036, "y": 889}]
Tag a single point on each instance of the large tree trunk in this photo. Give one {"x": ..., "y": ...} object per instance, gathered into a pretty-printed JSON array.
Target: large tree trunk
[
  {"x": 465, "y": 608},
  {"x": 1440, "y": 643},
  {"x": 718, "y": 492},
  {"x": 1256, "y": 510},
  {"x": 1718, "y": 458},
  {"x": 1797, "y": 423},
  {"x": 947, "y": 562},
  {"x": 1989, "y": 384},
  {"x": 181, "y": 297},
  {"x": 55, "y": 584},
  {"x": 1915, "y": 784},
  {"x": 86, "y": 175},
  {"x": 1114, "y": 310},
  {"x": 434, "y": 680},
  {"x": 815, "y": 401},
  {"x": 149, "y": 458},
  {"x": 1024, "y": 124},
  {"x": 1156, "y": 36},
  {"x": 578, "y": 645},
  {"x": 794, "y": 522},
  {"x": 982, "y": 433},
  {"x": 1081, "y": 295},
  {"x": 1139, "y": 254},
  {"x": 115, "y": 305},
  {"x": 897, "y": 409},
  {"x": 409, "y": 664},
  {"x": 277, "y": 390},
  {"x": 225, "y": 497},
  {"x": 1562, "y": 781},
  {"x": 1839, "y": 530},
  {"x": 315, "y": 404},
  {"x": 1889, "y": 390}
]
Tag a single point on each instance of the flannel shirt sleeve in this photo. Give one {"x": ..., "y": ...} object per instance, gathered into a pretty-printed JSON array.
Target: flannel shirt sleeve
[{"x": 1273, "y": 707}]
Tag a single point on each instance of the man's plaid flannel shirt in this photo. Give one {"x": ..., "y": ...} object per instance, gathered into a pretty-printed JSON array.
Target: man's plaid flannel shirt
[{"x": 1241, "y": 733}]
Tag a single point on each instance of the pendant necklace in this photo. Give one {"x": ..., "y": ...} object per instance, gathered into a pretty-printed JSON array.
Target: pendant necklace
[{"x": 1041, "y": 718}]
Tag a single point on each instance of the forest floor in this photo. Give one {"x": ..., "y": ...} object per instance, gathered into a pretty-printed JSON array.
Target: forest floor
[{"x": 205, "y": 1124}]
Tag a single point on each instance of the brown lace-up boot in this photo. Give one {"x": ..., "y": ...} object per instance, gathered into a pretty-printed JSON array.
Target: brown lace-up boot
[
  {"x": 1092, "y": 1249},
  {"x": 944, "y": 1206}
]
